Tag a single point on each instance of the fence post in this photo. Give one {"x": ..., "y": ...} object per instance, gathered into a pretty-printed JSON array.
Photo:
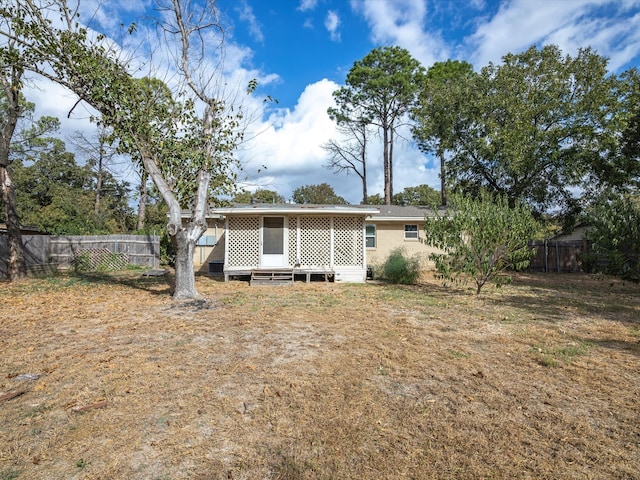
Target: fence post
[
  {"x": 546, "y": 256},
  {"x": 557, "y": 257}
]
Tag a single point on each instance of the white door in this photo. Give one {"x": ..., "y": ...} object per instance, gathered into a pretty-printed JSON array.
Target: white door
[{"x": 272, "y": 242}]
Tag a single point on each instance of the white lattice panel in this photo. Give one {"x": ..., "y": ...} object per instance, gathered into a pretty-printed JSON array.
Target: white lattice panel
[
  {"x": 315, "y": 241},
  {"x": 243, "y": 241},
  {"x": 348, "y": 241},
  {"x": 293, "y": 240}
]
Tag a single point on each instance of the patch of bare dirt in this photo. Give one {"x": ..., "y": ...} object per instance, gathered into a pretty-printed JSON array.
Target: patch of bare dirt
[{"x": 105, "y": 377}]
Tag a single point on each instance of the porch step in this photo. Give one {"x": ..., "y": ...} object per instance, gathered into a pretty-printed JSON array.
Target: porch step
[{"x": 271, "y": 277}]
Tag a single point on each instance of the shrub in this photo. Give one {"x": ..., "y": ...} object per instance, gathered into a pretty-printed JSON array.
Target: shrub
[
  {"x": 398, "y": 268},
  {"x": 82, "y": 263}
]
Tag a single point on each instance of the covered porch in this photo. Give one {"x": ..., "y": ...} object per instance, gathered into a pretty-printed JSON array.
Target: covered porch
[{"x": 300, "y": 241}]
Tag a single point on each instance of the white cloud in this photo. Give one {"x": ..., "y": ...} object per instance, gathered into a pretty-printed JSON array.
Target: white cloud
[
  {"x": 114, "y": 17},
  {"x": 289, "y": 142},
  {"x": 402, "y": 23},
  {"x": 570, "y": 24},
  {"x": 247, "y": 15},
  {"x": 332, "y": 23},
  {"x": 307, "y": 5},
  {"x": 617, "y": 40},
  {"x": 290, "y": 146}
]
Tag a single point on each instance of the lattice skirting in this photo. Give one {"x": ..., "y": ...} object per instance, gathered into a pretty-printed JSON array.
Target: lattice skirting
[{"x": 99, "y": 259}]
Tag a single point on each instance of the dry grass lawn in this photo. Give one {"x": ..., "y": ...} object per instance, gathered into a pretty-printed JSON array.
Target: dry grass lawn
[{"x": 104, "y": 377}]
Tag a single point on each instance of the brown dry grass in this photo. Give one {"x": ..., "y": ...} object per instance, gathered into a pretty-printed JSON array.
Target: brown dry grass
[{"x": 539, "y": 379}]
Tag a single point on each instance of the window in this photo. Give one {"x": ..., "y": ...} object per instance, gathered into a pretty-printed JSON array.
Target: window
[
  {"x": 411, "y": 232},
  {"x": 370, "y": 236},
  {"x": 207, "y": 241}
]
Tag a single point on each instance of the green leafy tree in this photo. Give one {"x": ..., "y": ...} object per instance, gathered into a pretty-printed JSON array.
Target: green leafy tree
[
  {"x": 533, "y": 127},
  {"x": 615, "y": 233},
  {"x": 445, "y": 88},
  {"x": 376, "y": 199},
  {"x": 626, "y": 171},
  {"x": 382, "y": 88},
  {"x": 322, "y": 194},
  {"x": 261, "y": 195},
  {"x": 480, "y": 238},
  {"x": 18, "y": 129},
  {"x": 420, "y": 195},
  {"x": 98, "y": 153},
  {"x": 58, "y": 196}
]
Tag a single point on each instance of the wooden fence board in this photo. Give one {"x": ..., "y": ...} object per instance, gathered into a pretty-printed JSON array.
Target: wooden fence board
[
  {"x": 143, "y": 250},
  {"x": 558, "y": 255}
]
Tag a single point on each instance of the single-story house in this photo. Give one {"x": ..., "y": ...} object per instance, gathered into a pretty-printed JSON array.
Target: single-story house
[
  {"x": 336, "y": 241},
  {"x": 398, "y": 226}
]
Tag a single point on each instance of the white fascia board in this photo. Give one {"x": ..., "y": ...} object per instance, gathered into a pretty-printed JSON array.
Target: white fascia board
[{"x": 300, "y": 210}]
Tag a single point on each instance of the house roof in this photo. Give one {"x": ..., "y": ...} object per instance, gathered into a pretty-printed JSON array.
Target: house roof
[
  {"x": 397, "y": 213},
  {"x": 290, "y": 208},
  {"x": 405, "y": 212}
]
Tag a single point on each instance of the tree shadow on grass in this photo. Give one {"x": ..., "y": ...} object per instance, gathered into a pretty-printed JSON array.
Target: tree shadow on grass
[
  {"x": 156, "y": 285},
  {"x": 622, "y": 346},
  {"x": 554, "y": 297}
]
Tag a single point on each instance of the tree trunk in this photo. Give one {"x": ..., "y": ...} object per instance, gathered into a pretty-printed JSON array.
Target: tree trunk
[
  {"x": 391, "y": 131},
  {"x": 385, "y": 156},
  {"x": 142, "y": 203},
  {"x": 443, "y": 183},
  {"x": 365, "y": 194},
  {"x": 183, "y": 239},
  {"x": 185, "y": 287},
  {"x": 98, "y": 183},
  {"x": 16, "y": 265}
]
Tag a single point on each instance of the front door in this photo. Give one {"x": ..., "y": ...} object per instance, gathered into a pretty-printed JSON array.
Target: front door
[{"x": 272, "y": 242}]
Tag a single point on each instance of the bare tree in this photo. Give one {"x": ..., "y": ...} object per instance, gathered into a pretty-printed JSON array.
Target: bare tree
[{"x": 350, "y": 154}]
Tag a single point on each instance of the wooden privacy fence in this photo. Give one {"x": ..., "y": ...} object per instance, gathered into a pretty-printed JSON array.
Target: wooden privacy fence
[
  {"x": 97, "y": 252},
  {"x": 558, "y": 255}
]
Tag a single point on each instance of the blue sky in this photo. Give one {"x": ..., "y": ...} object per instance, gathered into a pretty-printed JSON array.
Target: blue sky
[{"x": 301, "y": 51}]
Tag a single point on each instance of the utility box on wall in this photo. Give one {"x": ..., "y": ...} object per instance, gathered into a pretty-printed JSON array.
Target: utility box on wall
[{"x": 216, "y": 267}]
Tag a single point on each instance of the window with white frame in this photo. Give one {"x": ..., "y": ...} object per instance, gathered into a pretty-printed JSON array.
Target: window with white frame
[
  {"x": 411, "y": 232},
  {"x": 370, "y": 236}
]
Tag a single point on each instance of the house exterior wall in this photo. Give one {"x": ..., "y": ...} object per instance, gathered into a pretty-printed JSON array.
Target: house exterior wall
[
  {"x": 391, "y": 235},
  {"x": 210, "y": 247},
  {"x": 579, "y": 233}
]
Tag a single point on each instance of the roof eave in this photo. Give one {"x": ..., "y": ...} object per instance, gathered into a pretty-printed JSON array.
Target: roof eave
[{"x": 294, "y": 210}]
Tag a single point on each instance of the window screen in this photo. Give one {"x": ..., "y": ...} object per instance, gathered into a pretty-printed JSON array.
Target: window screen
[
  {"x": 370, "y": 235},
  {"x": 273, "y": 236}
]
